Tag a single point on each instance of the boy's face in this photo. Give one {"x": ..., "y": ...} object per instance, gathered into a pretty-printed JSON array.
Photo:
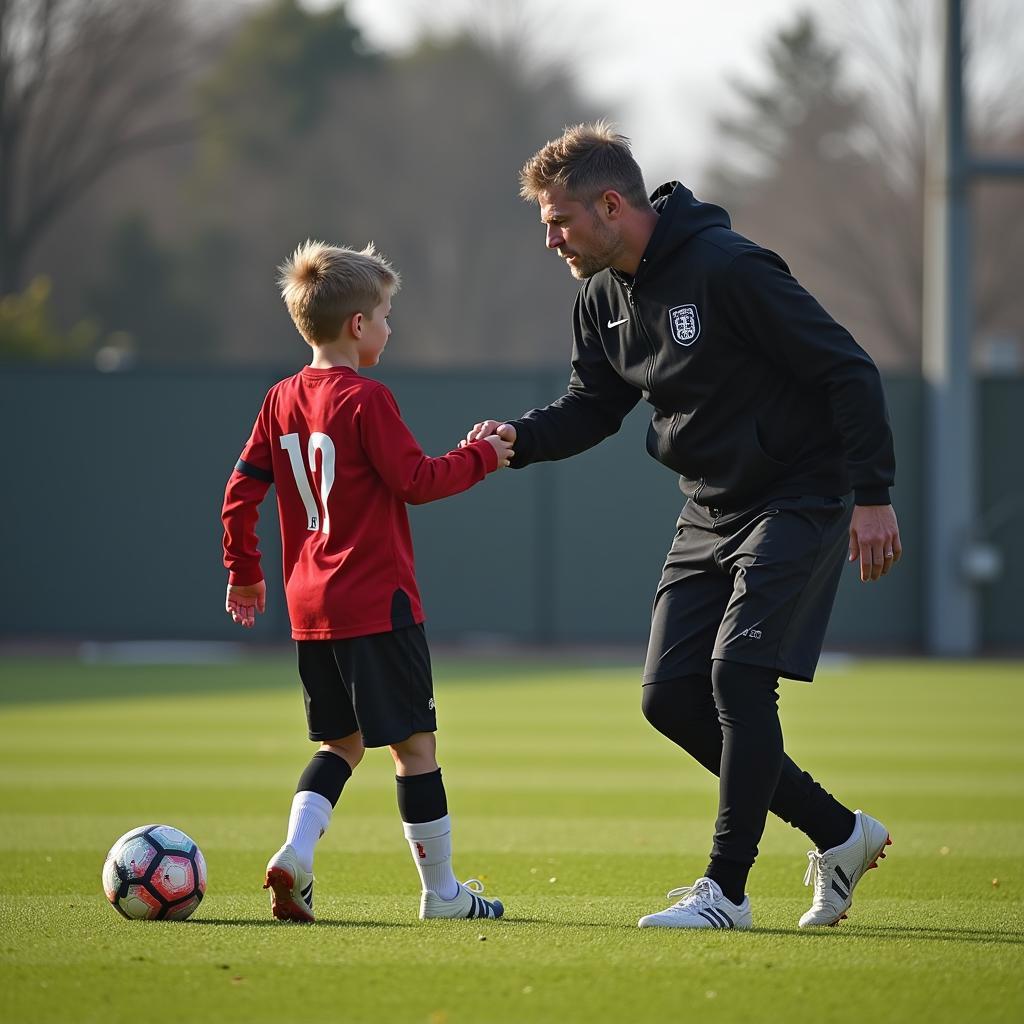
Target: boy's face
[{"x": 375, "y": 333}]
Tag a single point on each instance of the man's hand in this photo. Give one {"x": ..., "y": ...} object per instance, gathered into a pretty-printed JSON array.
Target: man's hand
[
  {"x": 242, "y": 603},
  {"x": 875, "y": 540},
  {"x": 484, "y": 430}
]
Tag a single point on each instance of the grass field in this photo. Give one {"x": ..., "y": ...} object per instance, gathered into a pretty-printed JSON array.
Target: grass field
[{"x": 565, "y": 802}]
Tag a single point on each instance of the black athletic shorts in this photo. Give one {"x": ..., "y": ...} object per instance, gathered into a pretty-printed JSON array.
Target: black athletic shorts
[
  {"x": 379, "y": 685},
  {"x": 754, "y": 587}
]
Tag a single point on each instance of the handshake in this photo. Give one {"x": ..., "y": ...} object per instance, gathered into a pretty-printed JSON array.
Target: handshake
[{"x": 500, "y": 435}]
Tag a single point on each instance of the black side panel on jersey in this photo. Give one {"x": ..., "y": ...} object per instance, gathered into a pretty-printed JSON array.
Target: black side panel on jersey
[
  {"x": 401, "y": 610},
  {"x": 248, "y": 469}
]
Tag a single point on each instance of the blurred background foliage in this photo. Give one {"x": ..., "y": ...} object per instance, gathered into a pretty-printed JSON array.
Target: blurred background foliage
[{"x": 159, "y": 160}]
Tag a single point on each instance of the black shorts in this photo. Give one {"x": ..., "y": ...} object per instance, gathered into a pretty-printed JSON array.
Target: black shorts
[
  {"x": 379, "y": 685},
  {"x": 755, "y": 587}
]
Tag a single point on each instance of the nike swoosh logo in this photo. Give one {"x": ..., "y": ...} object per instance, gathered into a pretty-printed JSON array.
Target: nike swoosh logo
[{"x": 615, "y": 323}]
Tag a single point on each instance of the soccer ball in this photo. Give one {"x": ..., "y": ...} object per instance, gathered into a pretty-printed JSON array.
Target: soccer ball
[{"x": 156, "y": 873}]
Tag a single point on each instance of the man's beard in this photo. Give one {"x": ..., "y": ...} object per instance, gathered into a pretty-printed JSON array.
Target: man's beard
[{"x": 588, "y": 264}]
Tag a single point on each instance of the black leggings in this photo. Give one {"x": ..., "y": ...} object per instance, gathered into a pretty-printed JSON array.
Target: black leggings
[{"x": 730, "y": 724}]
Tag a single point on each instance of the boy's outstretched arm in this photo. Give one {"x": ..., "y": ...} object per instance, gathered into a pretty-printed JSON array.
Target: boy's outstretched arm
[
  {"x": 244, "y": 601},
  {"x": 411, "y": 475}
]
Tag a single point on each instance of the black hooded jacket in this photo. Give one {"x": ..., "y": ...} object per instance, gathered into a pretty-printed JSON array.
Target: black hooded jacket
[{"x": 757, "y": 392}]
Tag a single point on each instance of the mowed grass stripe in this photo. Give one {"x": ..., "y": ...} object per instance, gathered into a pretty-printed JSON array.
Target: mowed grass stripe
[
  {"x": 133, "y": 803},
  {"x": 258, "y": 988},
  {"x": 373, "y": 832}
]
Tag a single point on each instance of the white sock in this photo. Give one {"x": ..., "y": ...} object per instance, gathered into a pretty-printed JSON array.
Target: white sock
[
  {"x": 308, "y": 821},
  {"x": 431, "y": 846}
]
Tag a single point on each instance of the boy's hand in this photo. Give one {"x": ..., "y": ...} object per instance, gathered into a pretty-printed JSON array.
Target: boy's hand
[
  {"x": 242, "y": 603},
  {"x": 503, "y": 449}
]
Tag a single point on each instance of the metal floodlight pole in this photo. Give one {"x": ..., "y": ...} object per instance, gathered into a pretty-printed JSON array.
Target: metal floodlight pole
[
  {"x": 951, "y": 600},
  {"x": 956, "y": 564},
  {"x": 996, "y": 167}
]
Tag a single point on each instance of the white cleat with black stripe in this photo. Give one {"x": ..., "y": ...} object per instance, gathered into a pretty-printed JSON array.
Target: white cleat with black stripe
[
  {"x": 468, "y": 903},
  {"x": 835, "y": 873},
  {"x": 291, "y": 887},
  {"x": 702, "y": 905}
]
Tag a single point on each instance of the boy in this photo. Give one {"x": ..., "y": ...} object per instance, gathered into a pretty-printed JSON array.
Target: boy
[{"x": 345, "y": 466}]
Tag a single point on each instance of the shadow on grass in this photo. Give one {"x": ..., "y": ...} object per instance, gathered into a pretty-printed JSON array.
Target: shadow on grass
[
  {"x": 924, "y": 933},
  {"x": 852, "y": 933},
  {"x": 321, "y": 922},
  {"x": 231, "y": 922}
]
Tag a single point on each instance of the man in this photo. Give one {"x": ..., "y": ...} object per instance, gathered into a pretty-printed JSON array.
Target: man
[{"x": 772, "y": 415}]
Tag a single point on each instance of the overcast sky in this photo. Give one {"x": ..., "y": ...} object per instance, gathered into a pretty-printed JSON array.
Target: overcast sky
[{"x": 659, "y": 68}]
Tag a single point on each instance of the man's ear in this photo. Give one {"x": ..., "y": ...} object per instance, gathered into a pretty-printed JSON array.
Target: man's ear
[{"x": 612, "y": 204}]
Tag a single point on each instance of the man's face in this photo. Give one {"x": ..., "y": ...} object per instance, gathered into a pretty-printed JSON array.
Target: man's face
[{"x": 580, "y": 232}]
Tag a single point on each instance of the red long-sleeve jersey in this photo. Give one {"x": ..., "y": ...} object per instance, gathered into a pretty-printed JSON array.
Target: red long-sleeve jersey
[{"x": 344, "y": 465}]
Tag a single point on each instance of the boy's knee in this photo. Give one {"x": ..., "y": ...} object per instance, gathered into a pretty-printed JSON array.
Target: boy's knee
[
  {"x": 349, "y": 748},
  {"x": 416, "y": 755}
]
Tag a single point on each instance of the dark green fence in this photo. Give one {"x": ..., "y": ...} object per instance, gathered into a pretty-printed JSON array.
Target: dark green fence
[{"x": 114, "y": 482}]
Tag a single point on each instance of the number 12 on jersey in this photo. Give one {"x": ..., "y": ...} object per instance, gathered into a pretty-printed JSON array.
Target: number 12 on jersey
[{"x": 323, "y": 444}]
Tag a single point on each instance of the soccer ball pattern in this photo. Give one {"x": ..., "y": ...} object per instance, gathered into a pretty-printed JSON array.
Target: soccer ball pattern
[{"x": 155, "y": 873}]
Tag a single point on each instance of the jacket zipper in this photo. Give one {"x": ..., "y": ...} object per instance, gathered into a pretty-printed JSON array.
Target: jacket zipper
[
  {"x": 649, "y": 375},
  {"x": 650, "y": 369}
]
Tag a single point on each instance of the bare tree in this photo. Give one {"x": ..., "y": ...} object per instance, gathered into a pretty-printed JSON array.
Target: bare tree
[
  {"x": 418, "y": 152},
  {"x": 837, "y": 176},
  {"x": 889, "y": 49},
  {"x": 84, "y": 86}
]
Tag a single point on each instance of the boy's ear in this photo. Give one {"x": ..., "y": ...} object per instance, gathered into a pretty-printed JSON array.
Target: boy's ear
[{"x": 356, "y": 324}]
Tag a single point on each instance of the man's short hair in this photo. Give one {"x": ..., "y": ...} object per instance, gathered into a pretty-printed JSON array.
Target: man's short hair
[
  {"x": 586, "y": 160},
  {"x": 323, "y": 285}
]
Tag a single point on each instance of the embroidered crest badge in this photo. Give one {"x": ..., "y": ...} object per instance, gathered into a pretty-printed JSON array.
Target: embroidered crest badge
[{"x": 685, "y": 324}]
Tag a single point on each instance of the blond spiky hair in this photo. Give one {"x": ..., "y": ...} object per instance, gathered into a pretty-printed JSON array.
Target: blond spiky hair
[
  {"x": 585, "y": 160},
  {"x": 323, "y": 285}
]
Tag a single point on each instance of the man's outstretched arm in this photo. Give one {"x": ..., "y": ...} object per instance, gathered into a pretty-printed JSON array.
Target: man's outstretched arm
[{"x": 593, "y": 407}]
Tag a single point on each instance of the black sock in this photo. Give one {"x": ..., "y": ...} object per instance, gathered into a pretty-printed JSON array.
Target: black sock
[
  {"x": 325, "y": 774},
  {"x": 421, "y": 797},
  {"x": 730, "y": 876},
  {"x": 835, "y": 828}
]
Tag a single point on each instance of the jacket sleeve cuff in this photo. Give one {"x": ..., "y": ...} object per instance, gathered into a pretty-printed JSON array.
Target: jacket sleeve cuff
[
  {"x": 244, "y": 577},
  {"x": 523, "y": 445},
  {"x": 871, "y": 496}
]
